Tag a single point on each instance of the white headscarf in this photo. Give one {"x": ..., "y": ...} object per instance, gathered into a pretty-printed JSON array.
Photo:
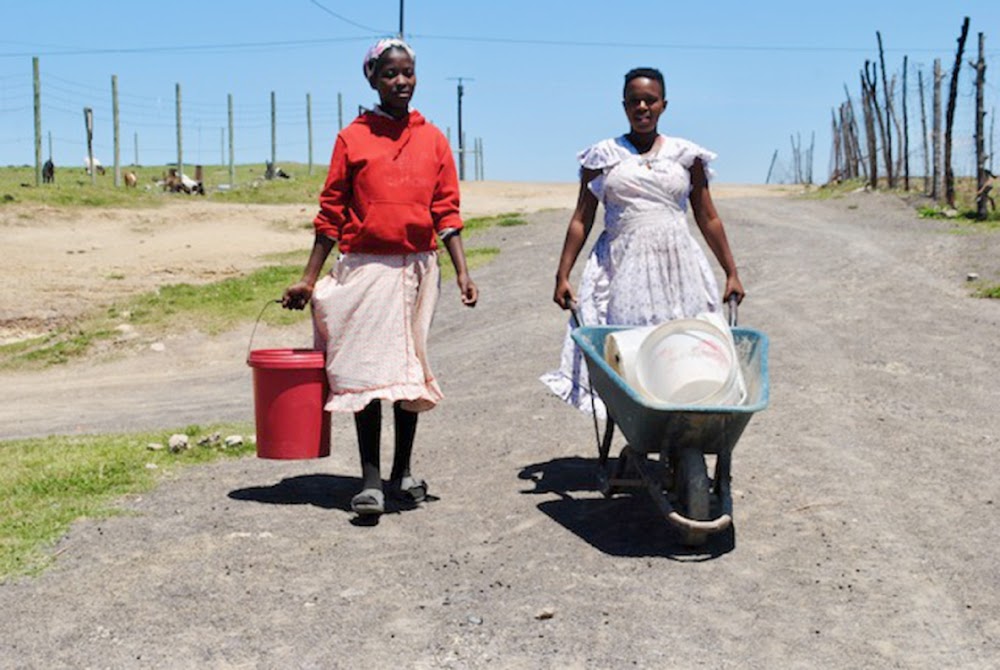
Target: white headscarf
[{"x": 376, "y": 50}]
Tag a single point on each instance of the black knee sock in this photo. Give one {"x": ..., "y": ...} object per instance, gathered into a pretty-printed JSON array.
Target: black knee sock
[
  {"x": 368, "y": 423},
  {"x": 406, "y": 429}
]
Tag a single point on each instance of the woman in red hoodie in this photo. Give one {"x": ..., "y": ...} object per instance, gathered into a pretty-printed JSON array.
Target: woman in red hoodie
[{"x": 390, "y": 195}]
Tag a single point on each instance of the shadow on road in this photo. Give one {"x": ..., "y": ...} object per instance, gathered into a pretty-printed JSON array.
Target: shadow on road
[
  {"x": 319, "y": 490},
  {"x": 626, "y": 525}
]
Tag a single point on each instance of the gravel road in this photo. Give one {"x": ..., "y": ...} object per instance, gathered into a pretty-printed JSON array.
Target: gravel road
[{"x": 864, "y": 499}]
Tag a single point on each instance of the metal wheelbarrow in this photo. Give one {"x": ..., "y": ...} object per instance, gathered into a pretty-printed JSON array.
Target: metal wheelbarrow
[{"x": 667, "y": 444}]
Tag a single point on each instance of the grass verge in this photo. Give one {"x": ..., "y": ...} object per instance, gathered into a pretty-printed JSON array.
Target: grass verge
[
  {"x": 48, "y": 483},
  {"x": 991, "y": 292},
  {"x": 209, "y": 308},
  {"x": 73, "y": 187},
  {"x": 502, "y": 220}
]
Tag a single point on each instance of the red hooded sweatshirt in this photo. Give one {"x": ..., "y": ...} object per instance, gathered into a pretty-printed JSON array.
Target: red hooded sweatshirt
[{"x": 392, "y": 185}]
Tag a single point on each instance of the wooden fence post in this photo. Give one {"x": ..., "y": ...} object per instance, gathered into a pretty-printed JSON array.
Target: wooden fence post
[
  {"x": 981, "y": 180},
  {"x": 274, "y": 132},
  {"x": 949, "y": 175},
  {"x": 180, "y": 135},
  {"x": 937, "y": 185},
  {"x": 232, "y": 165},
  {"x": 37, "y": 95},
  {"x": 88, "y": 124},
  {"x": 309, "y": 130},
  {"x": 871, "y": 111},
  {"x": 906, "y": 133},
  {"x": 923, "y": 132},
  {"x": 887, "y": 134},
  {"x": 114, "y": 124}
]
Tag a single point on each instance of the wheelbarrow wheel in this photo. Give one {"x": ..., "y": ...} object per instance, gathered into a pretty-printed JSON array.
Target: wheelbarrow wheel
[{"x": 694, "y": 485}]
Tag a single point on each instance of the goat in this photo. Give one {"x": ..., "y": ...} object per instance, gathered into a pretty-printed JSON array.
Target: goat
[
  {"x": 97, "y": 165},
  {"x": 181, "y": 184},
  {"x": 130, "y": 179},
  {"x": 49, "y": 172}
]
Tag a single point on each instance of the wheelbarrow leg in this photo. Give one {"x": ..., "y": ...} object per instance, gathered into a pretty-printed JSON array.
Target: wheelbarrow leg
[
  {"x": 693, "y": 486},
  {"x": 604, "y": 475},
  {"x": 605, "y": 448},
  {"x": 722, "y": 485}
]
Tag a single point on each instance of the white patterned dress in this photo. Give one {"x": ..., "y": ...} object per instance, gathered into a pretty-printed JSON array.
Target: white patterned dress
[{"x": 646, "y": 267}]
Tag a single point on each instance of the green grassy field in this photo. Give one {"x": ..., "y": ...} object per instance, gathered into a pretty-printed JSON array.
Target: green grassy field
[
  {"x": 73, "y": 187},
  {"x": 47, "y": 483}
]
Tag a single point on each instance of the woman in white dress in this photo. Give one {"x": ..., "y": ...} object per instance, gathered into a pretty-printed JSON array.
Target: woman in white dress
[{"x": 645, "y": 268}]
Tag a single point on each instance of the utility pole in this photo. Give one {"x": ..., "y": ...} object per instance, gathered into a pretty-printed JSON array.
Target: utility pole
[
  {"x": 461, "y": 135},
  {"x": 400, "y": 19}
]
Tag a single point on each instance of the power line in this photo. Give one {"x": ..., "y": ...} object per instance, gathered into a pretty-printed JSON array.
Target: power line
[
  {"x": 347, "y": 20},
  {"x": 478, "y": 39},
  {"x": 654, "y": 45},
  {"x": 193, "y": 48}
]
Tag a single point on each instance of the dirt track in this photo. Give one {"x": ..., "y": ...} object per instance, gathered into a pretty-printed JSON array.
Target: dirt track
[{"x": 865, "y": 503}]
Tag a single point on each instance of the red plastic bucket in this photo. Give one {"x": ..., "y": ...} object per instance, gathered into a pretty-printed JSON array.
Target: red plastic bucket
[{"x": 289, "y": 391}]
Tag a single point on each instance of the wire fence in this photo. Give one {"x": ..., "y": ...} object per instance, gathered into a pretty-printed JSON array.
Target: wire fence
[{"x": 300, "y": 129}]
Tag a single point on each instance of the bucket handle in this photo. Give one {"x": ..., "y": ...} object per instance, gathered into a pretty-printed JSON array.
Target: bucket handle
[{"x": 256, "y": 323}]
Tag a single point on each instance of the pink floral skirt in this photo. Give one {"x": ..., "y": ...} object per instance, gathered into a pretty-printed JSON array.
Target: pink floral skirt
[{"x": 372, "y": 315}]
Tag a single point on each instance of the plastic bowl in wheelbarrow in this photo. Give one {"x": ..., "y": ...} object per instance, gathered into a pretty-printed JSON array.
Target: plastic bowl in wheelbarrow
[{"x": 646, "y": 423}]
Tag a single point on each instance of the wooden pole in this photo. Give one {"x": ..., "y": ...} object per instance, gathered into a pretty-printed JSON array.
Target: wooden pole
[
  {"x": 50, "y": 145},
  {"x": 906, "y": 134},
  {"x": 937, "y": 183},
  {"x": 475, "y": 159},
  {"x": 993, "y": 117},
  {"x": 232, "y": 164},
  {"x": 340, "y": 112},
  {"x": 274, "y": 131},
  {"x": 180, "y": 137},
  {"x": 88, "y": 124},
  {"x": 836, "y": 156},
  {"x": 981, "y": 180},
  {"x": 949, "y": 175},
  {"x": 770, "y": 169},
  {"x": 809, "y": 158},
  {"x": 871, "y": 76},
  {"x": 856, "y": 164},
  {"x": 887, "y": 97},
  {"x": 309, "y": 130},
  {"x": 796, "y": 171},
  {"x": 461, "y": 135},
  {"x": 870, "y": 112},
  {"x": 37, "y": 88},
  {"x": 115, "y": 126},
  {"x": 923, "y": 132}
]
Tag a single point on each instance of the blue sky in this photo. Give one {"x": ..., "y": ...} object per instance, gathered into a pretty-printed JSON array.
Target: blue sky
[{"x": 543, "y": 77}]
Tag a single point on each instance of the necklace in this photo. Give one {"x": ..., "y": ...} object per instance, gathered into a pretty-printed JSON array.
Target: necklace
[{"x": 646, "y": 155}]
